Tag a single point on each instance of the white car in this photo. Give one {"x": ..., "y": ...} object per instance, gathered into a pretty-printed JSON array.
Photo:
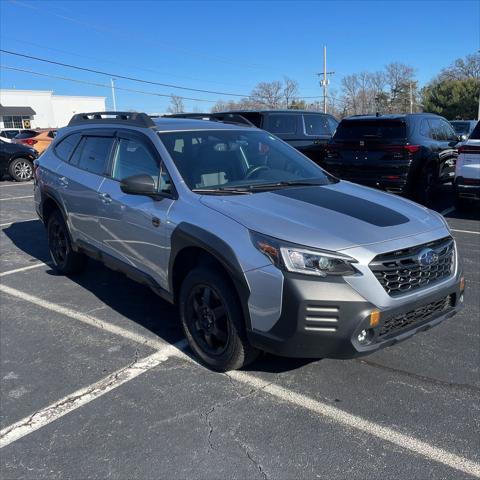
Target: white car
[{"x": 467, "y": 171}]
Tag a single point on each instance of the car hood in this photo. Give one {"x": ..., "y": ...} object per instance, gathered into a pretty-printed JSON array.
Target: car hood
[{"x": 333, "y": 217}]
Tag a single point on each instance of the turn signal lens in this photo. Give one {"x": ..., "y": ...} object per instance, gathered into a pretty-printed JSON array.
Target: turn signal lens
[
  {"x": 375, "y": 318},
  {"x": 462, "y": 284}
]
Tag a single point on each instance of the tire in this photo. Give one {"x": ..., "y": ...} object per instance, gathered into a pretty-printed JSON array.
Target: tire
[
  {"x": 426, "y": 185},
  {"x": 65, "y": 260},
  {"x": 21, "y": 170},
  {"x": 213, "y": 321}
]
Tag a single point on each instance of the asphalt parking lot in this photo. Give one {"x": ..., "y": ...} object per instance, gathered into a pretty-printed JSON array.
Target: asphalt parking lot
[{"x": 96, "y": 383}]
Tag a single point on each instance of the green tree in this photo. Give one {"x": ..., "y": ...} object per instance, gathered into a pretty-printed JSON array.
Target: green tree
[{"x": 452, "y": 98}]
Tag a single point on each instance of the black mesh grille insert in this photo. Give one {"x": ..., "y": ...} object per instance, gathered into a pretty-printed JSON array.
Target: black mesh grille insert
[{"x": 420, "y": 314}]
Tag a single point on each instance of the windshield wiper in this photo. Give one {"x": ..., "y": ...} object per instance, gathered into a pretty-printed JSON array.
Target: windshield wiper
[
  {"x": 299, "y": 183},
  {"x": 222, "y": 191}
]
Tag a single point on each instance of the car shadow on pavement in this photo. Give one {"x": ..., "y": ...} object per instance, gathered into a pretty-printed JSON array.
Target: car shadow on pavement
[{"x": 125, "y": 297}]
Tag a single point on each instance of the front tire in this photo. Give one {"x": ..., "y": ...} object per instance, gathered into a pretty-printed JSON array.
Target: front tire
[
  {"x": 212, "y": 320},
  {"x": 65, "y": 260},
  {"x": 426, "y": 186},
  {"x": 21, "y": 170}
]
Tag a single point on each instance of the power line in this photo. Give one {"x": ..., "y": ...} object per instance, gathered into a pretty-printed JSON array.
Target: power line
[
  {"x": 103, "y": 29},
  {"x": 124, "y": 77},
  {"x": 102, "y": 85}
]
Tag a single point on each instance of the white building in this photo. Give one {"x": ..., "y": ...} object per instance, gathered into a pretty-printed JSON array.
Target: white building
[{"x": 43, "y": 109}]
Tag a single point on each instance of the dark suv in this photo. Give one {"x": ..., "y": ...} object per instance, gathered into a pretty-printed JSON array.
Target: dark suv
[
  {"x": 407, "y": 154},
  {"x": 309, "y": 132}
]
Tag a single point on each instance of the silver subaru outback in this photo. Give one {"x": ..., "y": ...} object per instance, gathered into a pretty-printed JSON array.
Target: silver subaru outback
[{"x": 260, "y": 248}]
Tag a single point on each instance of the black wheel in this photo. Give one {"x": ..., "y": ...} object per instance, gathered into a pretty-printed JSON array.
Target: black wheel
[
  {"x": 21, "y": 170},
  {"x": 212, "y": 320},
  {"x": 426, "y": 186},
  {"x": 65, "y": 260}
]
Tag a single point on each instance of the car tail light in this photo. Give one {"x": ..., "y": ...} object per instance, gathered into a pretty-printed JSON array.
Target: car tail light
[
  {"x": 469, "y": 149},
  {"x": 29, "y": 141},
  {"x": 402, "y": 148}
]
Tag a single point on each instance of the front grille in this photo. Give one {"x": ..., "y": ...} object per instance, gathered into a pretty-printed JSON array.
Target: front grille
[
  {"x": 420, "y": 314},
  {"x": 400, "y": 272}
]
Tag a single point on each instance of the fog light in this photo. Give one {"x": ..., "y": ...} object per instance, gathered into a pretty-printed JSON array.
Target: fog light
[
  {"x": 365, "y": 336},
  {"x": 461, "y": 298}
]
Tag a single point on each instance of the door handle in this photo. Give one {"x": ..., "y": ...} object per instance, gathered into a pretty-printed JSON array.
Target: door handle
[
  {"x": 105, "y": 197},
  {"x": 63, "y": 181}
]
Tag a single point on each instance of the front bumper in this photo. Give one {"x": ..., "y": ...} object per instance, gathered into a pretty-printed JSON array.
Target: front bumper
[{"x": 323, "y": 319}]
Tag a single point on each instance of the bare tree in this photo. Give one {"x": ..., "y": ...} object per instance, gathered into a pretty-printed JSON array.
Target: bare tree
[
  {"x": 176, "y": 104},
  {"x": 400, "y": 78},
  {"x": 268, "y": 94},
  {"x": 290, "y": 90},
  {"x": 350, "y": 87},
  {"x": 463, "y": 68}
]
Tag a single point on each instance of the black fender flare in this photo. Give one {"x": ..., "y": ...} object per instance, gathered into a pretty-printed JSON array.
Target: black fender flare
[{"x": 188, "y": 235}]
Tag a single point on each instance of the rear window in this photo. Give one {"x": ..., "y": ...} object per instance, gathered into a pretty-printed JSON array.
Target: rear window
[
  {"x": 9, "y": 133},
  {"x": 370, "y": 129},
  {"x": 26, "y": 134},
  {"x": 476, "y": 132}
]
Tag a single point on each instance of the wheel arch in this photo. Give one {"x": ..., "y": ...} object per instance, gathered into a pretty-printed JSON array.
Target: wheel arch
[{"x": 192, "y": 246}]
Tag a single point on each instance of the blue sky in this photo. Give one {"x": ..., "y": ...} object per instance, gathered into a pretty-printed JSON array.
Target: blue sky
[{"x": 227, "y": 46}]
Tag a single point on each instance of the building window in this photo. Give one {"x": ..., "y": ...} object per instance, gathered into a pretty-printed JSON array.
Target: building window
[{"x": 13, "y": 122}]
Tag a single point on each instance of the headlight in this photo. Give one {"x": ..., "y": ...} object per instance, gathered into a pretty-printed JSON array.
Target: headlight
[{"x": 296, "y": 258}]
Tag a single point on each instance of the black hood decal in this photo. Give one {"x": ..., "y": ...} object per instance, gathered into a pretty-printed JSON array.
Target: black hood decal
[{"x": 356, "y": 207}]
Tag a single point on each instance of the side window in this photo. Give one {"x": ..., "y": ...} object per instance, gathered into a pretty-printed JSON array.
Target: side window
[
  {"x": 133, "y": 157},
  {"x": 448, "y": 131},
  {"x": 282, "y": 123},
  {"x": 333, "y": 124},
  {"x": 435, "y": 129},
  {"x": 65, "y": 148},
  {"x": 425, "y": 129},
  {"x": 166, "y": 185},
  {"x": 94, "y": 153},
  {"x": 316, "y": 124}
]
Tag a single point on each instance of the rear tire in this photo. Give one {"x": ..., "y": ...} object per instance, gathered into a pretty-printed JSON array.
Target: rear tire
[
  {"x": 426, "y": 185},
  {"x": 213, "y": 321},
  {"x": 21, "y": 170},
  {"x": 65, "y": 260}
]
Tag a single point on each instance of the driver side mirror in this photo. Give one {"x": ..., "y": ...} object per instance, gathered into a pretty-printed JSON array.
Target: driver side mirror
[{"x": 139, "y": 185}]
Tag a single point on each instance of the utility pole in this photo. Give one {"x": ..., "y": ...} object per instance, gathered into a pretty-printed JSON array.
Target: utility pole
[
  {"x": 325, "y": 81},
  {"x": 114, "y": 101},
  {"x": 411, "y": 98}
]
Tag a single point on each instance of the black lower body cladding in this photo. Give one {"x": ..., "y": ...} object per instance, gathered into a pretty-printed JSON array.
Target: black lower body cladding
[{"x": 312, "y": 327}]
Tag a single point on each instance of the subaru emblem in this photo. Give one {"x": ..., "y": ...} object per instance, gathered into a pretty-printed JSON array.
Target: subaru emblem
[{"x": 427, "y": 257}]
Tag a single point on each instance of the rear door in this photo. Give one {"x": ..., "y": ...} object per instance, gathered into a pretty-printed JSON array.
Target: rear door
[
  {"x": 445, "y": 142},
  {"x": 133, "y": 227},
  {"x": 79, "y": 180}
]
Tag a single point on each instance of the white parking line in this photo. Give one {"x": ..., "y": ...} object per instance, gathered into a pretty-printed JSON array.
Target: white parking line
[
  {"x": 465, "y": 231},
  {"x": 23, "y": 269},
  {"x": 339, "y": 416},
  {"x": 83, "y": 396},
  {"x": 358, "y": 423},
  {"x": 15, "y": 198},
  {"x": 19, "y": 221},
  {"x": 448, "y": 210},
  {"x": 84, "y": 318},
  {"x": 18, "y": 184}
]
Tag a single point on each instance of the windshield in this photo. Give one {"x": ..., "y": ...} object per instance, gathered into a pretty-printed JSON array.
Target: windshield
[{"x": 229, "y": 159}]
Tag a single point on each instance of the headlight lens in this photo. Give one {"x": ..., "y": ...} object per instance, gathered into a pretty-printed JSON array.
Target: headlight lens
[{"x": 301, "y": 260}]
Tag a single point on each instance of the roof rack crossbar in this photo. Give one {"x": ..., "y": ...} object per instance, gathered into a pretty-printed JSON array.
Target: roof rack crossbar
[
  {"x": 231, "y": 118},
  {"x": 135, "y": 119}
]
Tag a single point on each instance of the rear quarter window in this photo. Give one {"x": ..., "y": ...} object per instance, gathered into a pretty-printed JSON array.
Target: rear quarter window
[
  {"x": 317, "y": 125},
  {"x": 65, "y": 147}
]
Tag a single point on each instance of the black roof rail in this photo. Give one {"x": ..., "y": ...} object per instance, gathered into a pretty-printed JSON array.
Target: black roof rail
[
  {"x": 233, "y": 118},
  {"x": 135, "y": 119}
]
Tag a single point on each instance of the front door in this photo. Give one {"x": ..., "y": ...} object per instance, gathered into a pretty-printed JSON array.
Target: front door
[{"x": 133, "y": 227}]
